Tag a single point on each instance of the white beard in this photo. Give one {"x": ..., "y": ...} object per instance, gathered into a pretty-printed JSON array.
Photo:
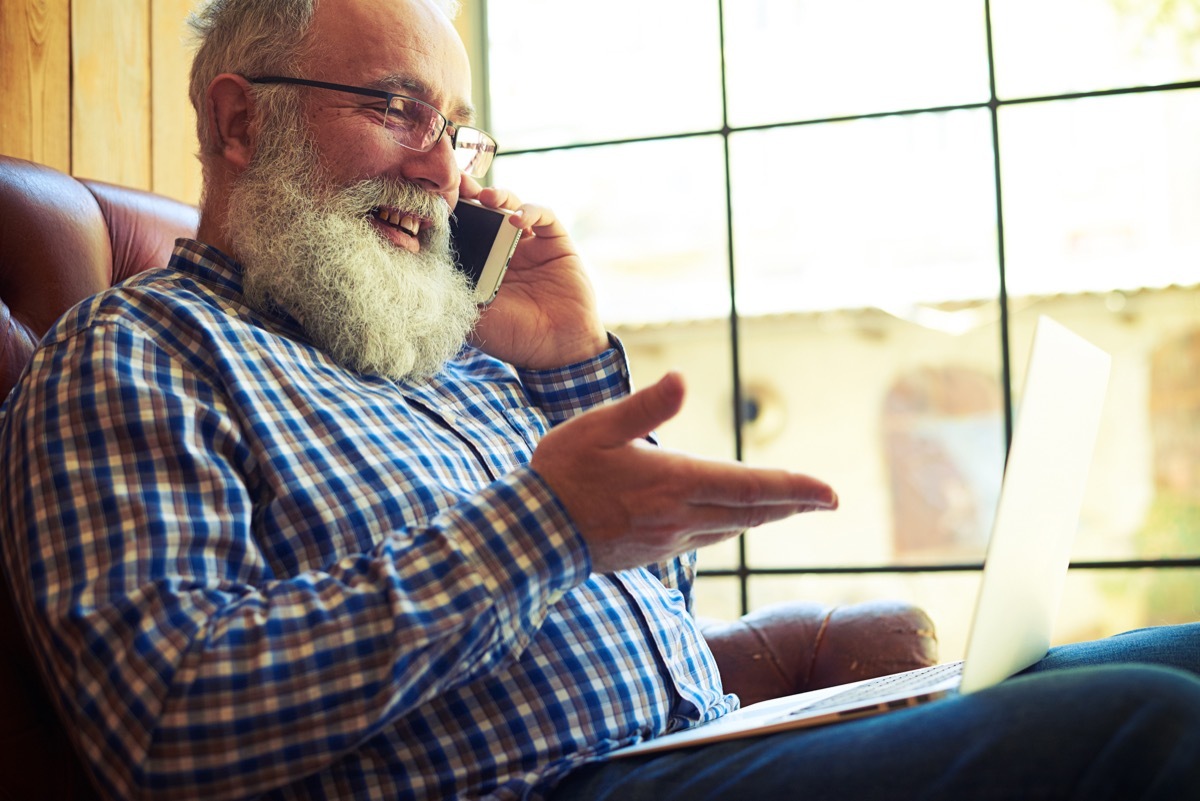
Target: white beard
[{"x": 310, "y": 249}]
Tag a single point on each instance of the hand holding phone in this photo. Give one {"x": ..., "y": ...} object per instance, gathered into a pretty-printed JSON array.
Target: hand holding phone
[{"x": 483, "y": 243}]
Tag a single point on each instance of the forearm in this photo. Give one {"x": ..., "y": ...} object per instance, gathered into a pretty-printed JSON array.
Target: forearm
[
  {"x": 181, "y": 677},
  {"x": 213, "y": 623}
]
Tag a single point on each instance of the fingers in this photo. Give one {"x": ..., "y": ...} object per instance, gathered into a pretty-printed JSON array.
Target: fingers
[
  {"x": 697, "y": 497},
  {"x": 468, "y": 187},
  {"x": 498, "y": 198},
  {"x": 705, "y": 519},
  {"x": 640, "y": 539},
  {"x": 634, "y": 504},
  {"x": 733, "y": 486},
  {"x": 536, "y": 220},
  {"x": 635, "y": 416}
]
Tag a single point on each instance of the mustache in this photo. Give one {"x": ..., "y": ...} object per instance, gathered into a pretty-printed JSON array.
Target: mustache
[{"x": 362, "y": 197}]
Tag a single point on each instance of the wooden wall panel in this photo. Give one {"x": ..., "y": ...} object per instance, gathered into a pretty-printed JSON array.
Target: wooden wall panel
[
  {"x": 110, "y": 109},
  {"x": 175, "y": 169},
  {"x": 35, "y": 81}
]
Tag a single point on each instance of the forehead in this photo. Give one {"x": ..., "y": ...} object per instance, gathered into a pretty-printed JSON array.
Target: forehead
[{"x": 406, "y": 46}]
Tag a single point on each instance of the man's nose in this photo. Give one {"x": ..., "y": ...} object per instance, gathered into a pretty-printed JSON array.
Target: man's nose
[{"x": 436, "y": 169}]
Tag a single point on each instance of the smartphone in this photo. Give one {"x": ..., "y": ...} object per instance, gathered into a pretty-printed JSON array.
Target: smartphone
[{"x": 483, "y": 242}]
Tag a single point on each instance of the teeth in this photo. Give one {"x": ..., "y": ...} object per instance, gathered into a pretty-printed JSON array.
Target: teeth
[{"x": 408, "y": 223}]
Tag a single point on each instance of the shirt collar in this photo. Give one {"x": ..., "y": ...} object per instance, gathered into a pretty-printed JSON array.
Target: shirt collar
[{"x": 224, "y": 275}]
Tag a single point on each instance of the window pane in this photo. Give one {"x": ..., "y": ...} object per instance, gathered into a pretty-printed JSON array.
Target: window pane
[
  {"x": 904, "y": 421},
  {"x": 702, "y": 352},
  {"x": 563, "y": 73},
  {"x": 1101, "y": 201},
  {"x": 655, "y": 253},
  {"x": 1102, "y": 194},
  {"x": 718, "y": 597},
  {"x": 1067, "y": 46},
  {"x": 811, "y": 59},
  {"x": 886, "y": 212}
]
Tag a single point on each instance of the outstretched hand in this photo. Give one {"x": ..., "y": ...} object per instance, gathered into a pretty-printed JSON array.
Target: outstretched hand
[{"x": 636, "y": 504}]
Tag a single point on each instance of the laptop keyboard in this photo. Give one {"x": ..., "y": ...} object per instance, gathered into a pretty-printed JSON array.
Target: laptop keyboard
[{"x": 896, "y": 683}]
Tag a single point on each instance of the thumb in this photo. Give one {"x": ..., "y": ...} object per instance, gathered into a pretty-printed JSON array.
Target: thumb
[{"x": 637, "y": 415}]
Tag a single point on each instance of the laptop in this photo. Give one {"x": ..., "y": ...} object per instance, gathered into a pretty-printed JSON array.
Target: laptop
[{"x": 1024, "y": 571}]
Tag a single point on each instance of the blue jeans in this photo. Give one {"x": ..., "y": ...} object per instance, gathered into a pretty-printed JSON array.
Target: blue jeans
[{"x": 1117, "y": 718}]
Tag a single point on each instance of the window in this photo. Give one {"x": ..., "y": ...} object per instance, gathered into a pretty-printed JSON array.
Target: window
[{"x": 841, "y": 220}]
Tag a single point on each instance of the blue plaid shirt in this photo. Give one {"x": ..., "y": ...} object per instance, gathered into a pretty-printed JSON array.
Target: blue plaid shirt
[{"x": 248, "y": 570}]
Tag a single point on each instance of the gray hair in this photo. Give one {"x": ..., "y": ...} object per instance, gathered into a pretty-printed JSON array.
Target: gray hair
[{"x": 251, "y": 37}]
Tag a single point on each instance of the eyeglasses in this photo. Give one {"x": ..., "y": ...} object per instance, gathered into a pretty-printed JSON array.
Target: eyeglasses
[{"x": 416, "y": 125}]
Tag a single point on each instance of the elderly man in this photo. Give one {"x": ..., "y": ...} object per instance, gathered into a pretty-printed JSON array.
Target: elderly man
[{"x": 279, "y": 530}]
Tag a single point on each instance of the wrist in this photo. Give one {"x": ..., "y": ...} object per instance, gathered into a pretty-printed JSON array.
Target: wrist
[
  {"x": 568, "y": 354},
  {"x": 585, "y": 350},
  {"x": 563, "y": 392}
]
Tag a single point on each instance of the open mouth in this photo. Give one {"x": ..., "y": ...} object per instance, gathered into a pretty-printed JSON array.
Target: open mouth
[{"x": 408, "y": 223}]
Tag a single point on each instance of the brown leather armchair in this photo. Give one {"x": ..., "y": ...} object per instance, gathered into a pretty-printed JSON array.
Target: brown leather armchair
[{"x": 62, "y": 239}]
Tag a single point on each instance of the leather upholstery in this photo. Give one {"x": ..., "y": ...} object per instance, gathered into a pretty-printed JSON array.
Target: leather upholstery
[
  {"x": 798, "y": 645},
  {"x": 62, "y": 239}
]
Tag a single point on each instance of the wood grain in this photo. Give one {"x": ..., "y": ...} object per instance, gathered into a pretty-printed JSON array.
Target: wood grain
[
  {"x": 175, "y": 169},
  {"x": 110, "y": 108},
  {"x": 35, "y": 81}
]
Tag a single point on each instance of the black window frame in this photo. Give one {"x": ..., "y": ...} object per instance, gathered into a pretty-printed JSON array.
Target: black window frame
[{"x": 477, "y": 41}]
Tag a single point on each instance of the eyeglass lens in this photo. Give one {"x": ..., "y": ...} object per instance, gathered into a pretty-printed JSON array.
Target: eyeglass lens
[
  {"x": 417, "y": 125},
  {"x": 474, "y": 151}
]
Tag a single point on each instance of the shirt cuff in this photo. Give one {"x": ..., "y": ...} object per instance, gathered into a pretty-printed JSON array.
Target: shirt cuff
[{"x": 564, "y": 392}]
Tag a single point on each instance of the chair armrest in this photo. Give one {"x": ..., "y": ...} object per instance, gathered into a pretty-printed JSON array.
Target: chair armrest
[{"x": 796, "y": 646}]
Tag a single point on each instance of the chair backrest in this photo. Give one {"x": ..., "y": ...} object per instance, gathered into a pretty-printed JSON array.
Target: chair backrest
[{"x": 61, "y": 240}]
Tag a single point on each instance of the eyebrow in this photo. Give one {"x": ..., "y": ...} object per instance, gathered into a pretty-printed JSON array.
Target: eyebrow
[{"x": 461, "y": 111}]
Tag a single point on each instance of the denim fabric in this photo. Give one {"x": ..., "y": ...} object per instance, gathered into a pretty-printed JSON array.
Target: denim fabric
[{"x": 1117, "y": 718}]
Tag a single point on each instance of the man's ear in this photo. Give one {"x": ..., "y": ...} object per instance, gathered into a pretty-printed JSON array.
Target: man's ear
[{"x": 230, "y": 110}]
